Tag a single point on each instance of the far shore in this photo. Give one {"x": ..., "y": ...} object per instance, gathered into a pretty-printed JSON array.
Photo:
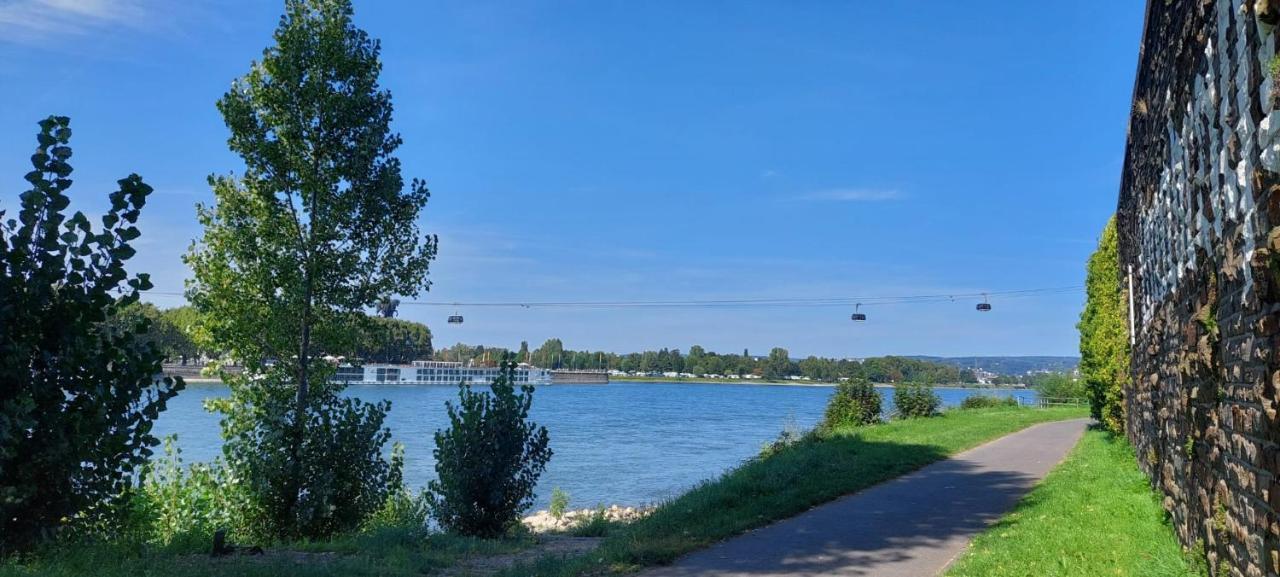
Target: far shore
[{"x": 706, "y": 381}]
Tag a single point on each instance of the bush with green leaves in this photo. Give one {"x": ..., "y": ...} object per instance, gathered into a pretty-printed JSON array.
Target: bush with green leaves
[
  {"x": 915, "y": 400},
  {"x": 987, "y": 402},
  {"x": 489, "y": 458},
  {"x": 180, "y": 505},
  {"x": 855, "y": 402},
  {"x": 327, "y": 482},
  {"x": 403, "y": 511},
  {"x": 79, "y": 393}
]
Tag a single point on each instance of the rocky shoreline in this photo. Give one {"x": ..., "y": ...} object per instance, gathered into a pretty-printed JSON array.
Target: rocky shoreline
[{"x": 544, "y": 522}]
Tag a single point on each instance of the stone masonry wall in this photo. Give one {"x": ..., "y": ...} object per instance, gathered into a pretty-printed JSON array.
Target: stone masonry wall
[{"x": 1198, "y": 200}]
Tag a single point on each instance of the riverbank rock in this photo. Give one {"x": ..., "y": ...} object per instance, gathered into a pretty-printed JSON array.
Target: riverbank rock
[{"x": 543, "y": 522}]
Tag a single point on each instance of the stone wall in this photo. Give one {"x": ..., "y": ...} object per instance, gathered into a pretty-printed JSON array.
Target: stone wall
[{"x": 1197, "y": 202}]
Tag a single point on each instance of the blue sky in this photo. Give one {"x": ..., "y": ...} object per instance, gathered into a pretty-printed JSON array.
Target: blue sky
[{"x": 656, "y": 151}]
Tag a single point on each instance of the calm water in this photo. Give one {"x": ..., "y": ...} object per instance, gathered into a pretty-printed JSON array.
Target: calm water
[{"x": 624, "y": 443}]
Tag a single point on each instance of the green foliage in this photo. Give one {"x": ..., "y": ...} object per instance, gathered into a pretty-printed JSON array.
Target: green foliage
[
  {"x": 778, "y": 365},
  {"x": 1060, "y": 386},
  {"x": 855, "y": 402},
  {"x": 403, "y": 512},
  {"x": 987, "y": 402},
  {"x": 559, "y": 503},
  {"x": 597, "y": 525},
  {"x": 1104, "y": 333},
  {"x": 916, "y": 400},
  {"x": 79, "y": 394},
  {"x": 388, "y": 340},
  {"x": 318, "y": 229},
  {"x": 181, "y": 506},
  {"x": 489, "y": 459},
  {"x": 328, "y": 481},
  {"x": 169, "y": 337}
]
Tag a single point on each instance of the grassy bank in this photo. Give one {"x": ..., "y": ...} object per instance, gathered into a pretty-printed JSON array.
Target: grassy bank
[
  {"x": 1093, "y": 515},
  {"x": 812, "y": 471},
  {"x": 391, "y": 553}
]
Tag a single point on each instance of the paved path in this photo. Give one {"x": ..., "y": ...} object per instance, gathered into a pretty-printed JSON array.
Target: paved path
[{"x": 912, "y": 526}]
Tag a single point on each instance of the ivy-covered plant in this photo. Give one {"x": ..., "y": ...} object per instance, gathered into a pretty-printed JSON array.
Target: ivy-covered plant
[
  {"x": 78, "y": 392},
  {"x": 489, "y": 459},
  {"x": 1104, "y": 333}
]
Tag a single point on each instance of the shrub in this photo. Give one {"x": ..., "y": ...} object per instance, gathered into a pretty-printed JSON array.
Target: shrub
[
  {"x": 489, "y": 459},
  {"x": 182, "y": 506},
  {"x": 403, "y": 511},
  {"x": 916, "y": 400},
  {"x": 986, "y": 402},
  {"x": 329, "y": 480},
  {"x": 855, "y": 402},
  {"x": 78, "y": 393},
  {"x": 559, "y": 503}
]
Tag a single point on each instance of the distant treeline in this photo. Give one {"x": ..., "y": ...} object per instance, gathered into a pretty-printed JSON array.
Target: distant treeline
[
  {"x": 698, "y": 361},
  {"x": 176, "y": 333}
]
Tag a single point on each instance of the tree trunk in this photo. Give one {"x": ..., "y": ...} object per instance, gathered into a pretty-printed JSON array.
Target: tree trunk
[{"x": 300, "y": 413}]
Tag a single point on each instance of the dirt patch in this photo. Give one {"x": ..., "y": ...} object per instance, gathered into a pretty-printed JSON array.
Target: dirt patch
[{"x": 548, "y": 546}]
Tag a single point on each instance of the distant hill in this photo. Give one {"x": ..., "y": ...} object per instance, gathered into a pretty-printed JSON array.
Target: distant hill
[{"x": 1008, "y": 365}]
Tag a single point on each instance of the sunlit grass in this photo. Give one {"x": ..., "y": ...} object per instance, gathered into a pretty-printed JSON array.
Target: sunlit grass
[
  {"x": 1093, "y": 515},
  {"x": 816, "y": 470}
]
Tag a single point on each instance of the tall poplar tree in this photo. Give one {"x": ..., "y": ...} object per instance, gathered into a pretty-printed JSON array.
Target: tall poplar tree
[{"x": 318, "y": 228}]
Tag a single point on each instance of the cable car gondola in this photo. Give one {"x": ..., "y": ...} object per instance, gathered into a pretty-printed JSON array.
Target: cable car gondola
[
  {"x": 984, "y": 306},
  {"x": 857, "y": 316},
  {"x": 455, "y": 319}
]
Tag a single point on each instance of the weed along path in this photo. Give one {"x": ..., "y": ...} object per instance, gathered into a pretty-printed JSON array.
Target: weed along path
[{"x": 912, "y": 526}]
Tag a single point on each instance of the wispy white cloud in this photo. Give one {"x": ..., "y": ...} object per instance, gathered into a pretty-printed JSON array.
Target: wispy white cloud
[
  {"x": 35, "y": 21},
  {"x": 850, "y": 195}
]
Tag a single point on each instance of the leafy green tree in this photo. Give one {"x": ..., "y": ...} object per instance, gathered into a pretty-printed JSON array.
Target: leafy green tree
[
  {"x": 389, "y": 340},
  {"x": 489, "y": 459},
  {"x": 778, "y": 365},
  {"x": 318, "y": 228},
  {"x": 80, "y": 392},
  {"x": 1104, "y": 333}
]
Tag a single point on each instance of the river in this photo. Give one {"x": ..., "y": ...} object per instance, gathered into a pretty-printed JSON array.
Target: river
[{"x": 622, "y": 443}]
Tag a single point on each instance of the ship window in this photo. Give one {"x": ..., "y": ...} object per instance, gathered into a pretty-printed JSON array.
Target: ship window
[
  {"x": 385, "y": 375},
  {"x": 349, "y": 374}
]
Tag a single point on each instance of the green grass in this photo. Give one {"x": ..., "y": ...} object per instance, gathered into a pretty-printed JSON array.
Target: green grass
[
  {"x": 390, "y": 553},
  {"x": 1093, "y": 515},
  {"x": 815, "y": 470}
]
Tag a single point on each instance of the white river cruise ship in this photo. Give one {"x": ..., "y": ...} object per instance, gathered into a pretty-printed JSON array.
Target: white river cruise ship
[{"x": 434, "y": 373}]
